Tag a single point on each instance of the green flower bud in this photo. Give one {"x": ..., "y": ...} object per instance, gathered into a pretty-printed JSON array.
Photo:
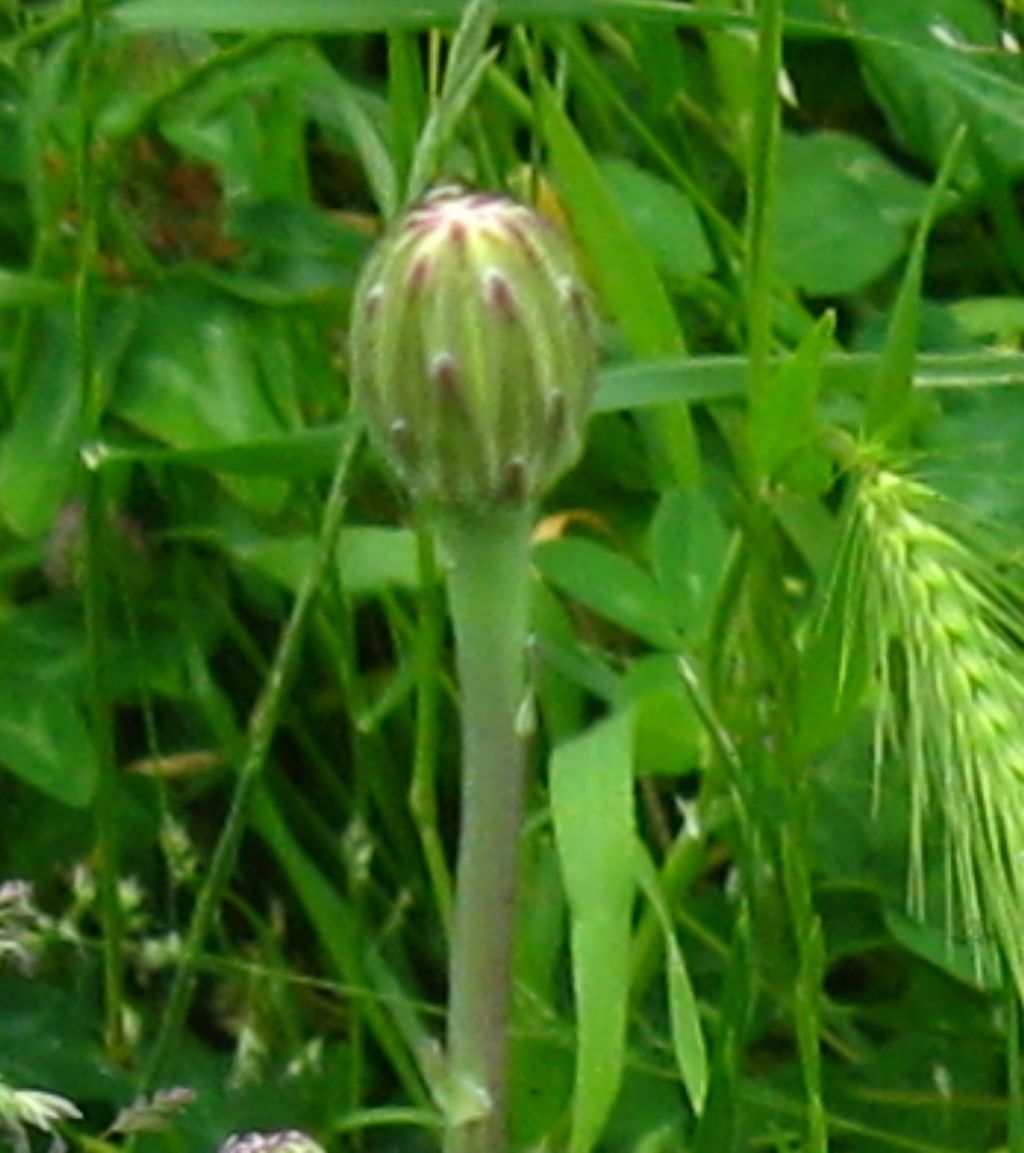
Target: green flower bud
[{"x": 473, "y": 350}]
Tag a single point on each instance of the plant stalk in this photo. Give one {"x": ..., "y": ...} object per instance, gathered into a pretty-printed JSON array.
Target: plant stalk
[{"x": 488, "y": 589}]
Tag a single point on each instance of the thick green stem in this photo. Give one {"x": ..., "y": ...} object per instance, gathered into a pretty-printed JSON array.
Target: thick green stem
[{"x": 488, "y": 586}]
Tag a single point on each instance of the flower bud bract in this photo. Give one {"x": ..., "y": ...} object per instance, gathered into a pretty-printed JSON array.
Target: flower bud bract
[{"x": 473, "y": 350}]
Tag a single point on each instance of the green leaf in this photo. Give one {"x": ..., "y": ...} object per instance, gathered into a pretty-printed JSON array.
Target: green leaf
[
  {"x": 625, "y": 274},
  {"x": 667, "y": 729},
  {"x": 685, "y": 380},
  {"x": 468, "y": 61},
  {"x": 611, "y": 585},
  {"x": 784, "y": 425},
  {"x": 592, "y": 808},
  {"x": 195, "y": 378},
  {"x": 651, "y": 383},
  {"x": 370, "y": 559},
  {"x": 663, "y": 219},
  {"x": 888, "y": 400},
  {"x": 687, "y": 1033},
  {"x": 621, "y": 265},
  {"x": 834, "y": 666},
  {"x": 303, "y": 253},
  {"x": 52, "y": 1038},
  {"x": 688, "y": 546},
  {"x": 349, "y": 949},
  {"x": 39, "y": 451},
  {"x": 973, "y": 962},
  {"x": 23, "y": 290},
  {"x": 932, "y": 68},
  {"x": 264, "y": 16},
  {"x": 44, "y": 741},
  {"x": 302, "y": 454},
  {"x": 843, "y": 212},
  {"x": 344, "y": 110}
]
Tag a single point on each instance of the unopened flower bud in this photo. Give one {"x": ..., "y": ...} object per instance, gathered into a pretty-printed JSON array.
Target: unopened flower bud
[{"x": 473, "y": 350}]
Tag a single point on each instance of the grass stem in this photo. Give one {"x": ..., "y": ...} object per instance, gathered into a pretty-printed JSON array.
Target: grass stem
[
  {"x": 91, "y": 402},
  {"x": 263, "y": 724}
]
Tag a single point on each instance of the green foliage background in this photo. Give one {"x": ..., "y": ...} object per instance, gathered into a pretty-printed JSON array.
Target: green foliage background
[{"x": 228, "y": 725}]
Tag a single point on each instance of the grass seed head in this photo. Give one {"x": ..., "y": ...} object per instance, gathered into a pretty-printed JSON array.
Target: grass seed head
[{"x": 940, "y": 623}]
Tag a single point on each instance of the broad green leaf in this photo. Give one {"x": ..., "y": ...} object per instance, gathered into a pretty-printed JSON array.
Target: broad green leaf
[
  {"x": 987, "y": 317},
  {"x": 687, "y": 1033},
  {"x": 591, "y": 784},
  {"x": 540, "y": 1085},
  {"x": 933, "y": 67},
  {"x": 688, "y": 545},
  {"x": 52, "y": 1037},
  {"x": 973, "y": 455},
  {"x": 194, "y": 379},
  {"x": 843, "y": 212},
  {"x": 302, "y": 254},
  {"x": 39, "y": 451},
  {"x": 611, "y": 585},
  {"x": 667, "y": 730},
  {"x": 662, "y": 217},
  {"x": 44, "y": 741}
]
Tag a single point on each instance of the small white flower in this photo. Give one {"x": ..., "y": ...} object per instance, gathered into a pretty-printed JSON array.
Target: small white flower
[
  {"x": 283, "y": 1141},
  {"x": 35, "y": 1108}
]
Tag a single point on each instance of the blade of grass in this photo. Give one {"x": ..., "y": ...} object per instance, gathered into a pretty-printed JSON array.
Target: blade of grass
[
  {"x": 384, "y": 15},
  {"x": 682, "y": 380},
  {"x": 687, "y": 1034},
  {"x": 468, "y": 61},
  {"x": 262, "y": 725},
  {"x": 407, "y": 101},
  {"x": 592, "y": 807},
  {"x": 336, "y": 924},
  {"x": 889, "y": 397},
  {"x": 761, "y": 180},
  {"x": 626, "y": 277},
  {"x": 299, "y": 454}
]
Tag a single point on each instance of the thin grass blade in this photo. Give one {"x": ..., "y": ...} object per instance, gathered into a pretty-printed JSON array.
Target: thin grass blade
[{"x": 592, "y": 806}]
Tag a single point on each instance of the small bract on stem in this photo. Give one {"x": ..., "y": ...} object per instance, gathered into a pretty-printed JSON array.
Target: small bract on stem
[{"x": 473, "y": 358}]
